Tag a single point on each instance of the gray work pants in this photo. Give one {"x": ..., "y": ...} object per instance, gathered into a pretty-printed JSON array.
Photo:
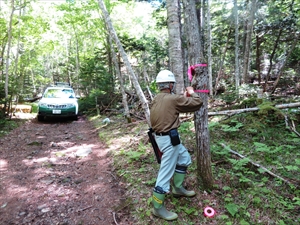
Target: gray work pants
[{"x": 172, "y": 156}]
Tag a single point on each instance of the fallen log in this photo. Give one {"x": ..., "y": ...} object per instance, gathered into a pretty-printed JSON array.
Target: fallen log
[
  {"x": 258, "y": 166},
  {"x": 291, "y": 127},
  {"x": 237, "y": 111}
]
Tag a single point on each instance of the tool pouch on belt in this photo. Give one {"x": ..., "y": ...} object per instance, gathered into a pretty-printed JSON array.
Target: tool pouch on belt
[{"x": 175, "y": 140}]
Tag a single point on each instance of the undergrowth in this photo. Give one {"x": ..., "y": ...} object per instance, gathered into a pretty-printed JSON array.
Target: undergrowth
[{"x": 244, "y": 193}]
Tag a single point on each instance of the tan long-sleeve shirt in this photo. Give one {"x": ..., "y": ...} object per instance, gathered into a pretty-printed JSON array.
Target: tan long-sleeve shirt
[{"x": 165, "y": 109}]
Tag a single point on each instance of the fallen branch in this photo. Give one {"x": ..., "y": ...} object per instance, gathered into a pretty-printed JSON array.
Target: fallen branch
[
  {"x": 80, "y": 210},
  {"x": 111, "y": 174},
  {"x": 257, "y": 165},
  {"x": 291, "y": 128},
  {"x": 237, "y": 111},
  {"x": 114, "y": 215}
]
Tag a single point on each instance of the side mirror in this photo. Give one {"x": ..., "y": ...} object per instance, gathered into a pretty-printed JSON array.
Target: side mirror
[{"x": 77, "y": 96}]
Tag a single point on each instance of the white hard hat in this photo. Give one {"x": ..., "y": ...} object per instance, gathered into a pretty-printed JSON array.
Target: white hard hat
[{"x": 165, "y": 76}]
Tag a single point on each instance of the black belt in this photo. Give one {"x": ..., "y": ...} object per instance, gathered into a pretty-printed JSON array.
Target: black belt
[{"x": 162, "y": 133}]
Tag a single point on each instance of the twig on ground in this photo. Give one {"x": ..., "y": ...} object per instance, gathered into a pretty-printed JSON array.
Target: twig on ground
[
  {"x": 257, "y": 165},
  {"x": 80, "y": 210},
  {"x": 99, "y": 217},
  {"x": 111, "y": 174},
  {"x": 114, "y": 215}
]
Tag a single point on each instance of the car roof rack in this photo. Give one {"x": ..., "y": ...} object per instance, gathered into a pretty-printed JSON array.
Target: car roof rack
[{"x": 62, "y": 84}]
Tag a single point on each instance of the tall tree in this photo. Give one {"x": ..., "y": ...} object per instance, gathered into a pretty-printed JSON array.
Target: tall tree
[
  {"x": 222, "y": 59},
  {"x": 209, "y": 44},
  {"x": 175, "y": 49},
  {"x": 134, "y": 79},
  {"x": 199, "y": 82},
  {"x": 248, "y": 40},
  {"x": 119, "y": 75},
  {"x": 288, "y": 54},
  {"x": 9, "y": 40},
  {"x": 275, "y": 48},
  {"x": 236, "y": 45}
]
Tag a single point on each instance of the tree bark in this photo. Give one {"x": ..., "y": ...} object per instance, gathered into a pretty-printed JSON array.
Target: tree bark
[
  {"x": 209, "y": 45},
  {"x": 134, "y": 80},
  {"x": 119, "y": 75},
  {"x": 258, "y": 56},
  {"x": 200, "y": 81},
  {"x": 285, "y": 61},
  {"x": 271, "y": 60},
  {"x": 223, "y": 56},
  {"x": 175, "y": 49},
  {"x": 247, "y": 52},
  {"x": 236, "y": 46},
  {"x": 9, "y": 39}
]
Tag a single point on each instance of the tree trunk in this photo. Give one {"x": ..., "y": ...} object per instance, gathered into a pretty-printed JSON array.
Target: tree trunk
[
  {"x": 184, "y": 47},
  {"x": 119, "y": 75},
  {"x": 285, "y": 61},
  {"x": 134, "y": 80},
  {"x": 9, "y": 34},
  {"x": 223, "y": 56},
  {"x": 200, "y": 81},
  {"x": 146, "y": 79},
  {"x": 247, "y": 52},
  {"x": 236, "y": 46},
  {"x": 258, "y": 54},
  {"x": 271, "y": 60},
  {"x": 209, "y": 44},
  {"x": 175, "y": 50}
]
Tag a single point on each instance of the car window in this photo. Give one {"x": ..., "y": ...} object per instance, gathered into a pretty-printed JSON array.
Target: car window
[{"x": 59, "y": 93}]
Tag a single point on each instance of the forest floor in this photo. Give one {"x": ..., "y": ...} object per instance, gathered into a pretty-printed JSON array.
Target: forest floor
[{"x": 57, "y": 172}]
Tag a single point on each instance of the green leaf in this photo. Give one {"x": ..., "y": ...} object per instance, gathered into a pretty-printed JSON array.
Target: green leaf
[
  {"x": 232, "y": 208},
  {"x": 292, "y": 168},
  {"x": 256, "y": 200},
  {"x": 261, "y": 147},
  {"x": 226, "y": 188},
  {"x": 243, "y": 222},
  {"x": 260, "y": 170},
  {"x": 281, "y": 222},
  {"x": 190, "y": 210}
]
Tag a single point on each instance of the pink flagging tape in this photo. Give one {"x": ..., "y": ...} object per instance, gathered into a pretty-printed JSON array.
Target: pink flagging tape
[
  {"x": 202, "y": 91},
  {"x": 209, "y": 212},
  {"x": 192, "y": 69}
]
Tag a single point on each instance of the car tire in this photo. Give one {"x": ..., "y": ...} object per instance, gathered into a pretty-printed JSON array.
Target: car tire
[{"x": 40, "y": 118}]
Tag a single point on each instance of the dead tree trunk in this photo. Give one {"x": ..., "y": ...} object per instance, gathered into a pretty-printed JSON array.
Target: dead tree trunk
[{"x": 121, "y": 50}]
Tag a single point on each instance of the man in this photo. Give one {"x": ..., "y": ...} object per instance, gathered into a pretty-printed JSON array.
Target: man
[{"x": 164, "y": 116}]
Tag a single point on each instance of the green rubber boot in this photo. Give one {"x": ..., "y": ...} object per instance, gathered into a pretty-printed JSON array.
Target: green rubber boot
[
  {"x": 177, "y": 189},
  {"x": 159, "y": 209}
]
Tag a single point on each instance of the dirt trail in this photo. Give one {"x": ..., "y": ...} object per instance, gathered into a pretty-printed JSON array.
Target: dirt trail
[{"x": 43, "y": 181}]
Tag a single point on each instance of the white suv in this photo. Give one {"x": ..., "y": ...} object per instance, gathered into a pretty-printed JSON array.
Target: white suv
[{"x": 58, "y": 101}]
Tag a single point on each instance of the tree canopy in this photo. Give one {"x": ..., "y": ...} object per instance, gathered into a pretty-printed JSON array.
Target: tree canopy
[{"x": 67, "y": 41}]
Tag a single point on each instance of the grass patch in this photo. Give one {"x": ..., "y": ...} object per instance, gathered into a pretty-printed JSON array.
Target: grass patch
[{"x": 6, "y": 126}]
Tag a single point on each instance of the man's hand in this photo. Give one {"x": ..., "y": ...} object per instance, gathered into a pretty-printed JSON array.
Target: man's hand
[{"x": 188, "y": 91}]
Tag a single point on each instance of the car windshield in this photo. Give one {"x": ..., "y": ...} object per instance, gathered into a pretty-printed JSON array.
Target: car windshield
[{"x": 59, "y": 93}]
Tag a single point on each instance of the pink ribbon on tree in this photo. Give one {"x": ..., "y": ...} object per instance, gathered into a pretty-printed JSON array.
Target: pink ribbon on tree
[{"x": 191, "y": 72}]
